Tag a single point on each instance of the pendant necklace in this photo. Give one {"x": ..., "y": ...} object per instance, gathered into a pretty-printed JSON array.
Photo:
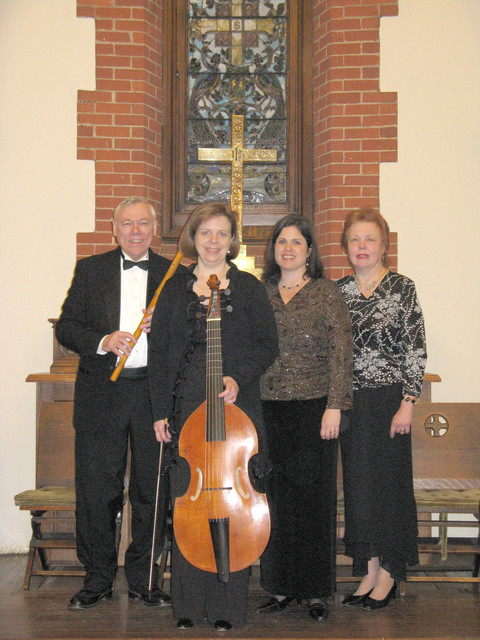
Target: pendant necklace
[{"x": 369, "y": 285}]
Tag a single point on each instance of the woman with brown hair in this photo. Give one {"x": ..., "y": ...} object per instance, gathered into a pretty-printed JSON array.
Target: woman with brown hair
[
  {"x": 177, "y": 380},
  {"x": 389, "y": 356},
  {"x": 303, "y": 393}
]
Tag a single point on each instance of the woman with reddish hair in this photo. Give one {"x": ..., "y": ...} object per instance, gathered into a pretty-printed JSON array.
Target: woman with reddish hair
[{"x": 389, "y": 356}]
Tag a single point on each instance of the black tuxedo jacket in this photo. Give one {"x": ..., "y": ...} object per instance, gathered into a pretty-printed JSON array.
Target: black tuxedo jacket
[{"x": 92, "y": 310}]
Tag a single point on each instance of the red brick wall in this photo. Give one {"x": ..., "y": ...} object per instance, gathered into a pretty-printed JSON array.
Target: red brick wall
[
  {"x": 119, "y": 124},
  {"x": 355, "y": 125}
]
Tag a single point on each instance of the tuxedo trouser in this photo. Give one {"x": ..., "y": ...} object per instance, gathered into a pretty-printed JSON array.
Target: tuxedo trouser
[{"x": 101, "y": 449}]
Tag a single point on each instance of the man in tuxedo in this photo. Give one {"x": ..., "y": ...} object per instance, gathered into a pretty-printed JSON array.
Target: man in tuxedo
[{"x": 104, "y": 305}]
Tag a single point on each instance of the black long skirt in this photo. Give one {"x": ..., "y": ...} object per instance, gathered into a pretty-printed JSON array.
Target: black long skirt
[
  {"x": 299, "y": 560},
  {"x": 380, "y": 510},
  {"x": 198, "y": 594}
]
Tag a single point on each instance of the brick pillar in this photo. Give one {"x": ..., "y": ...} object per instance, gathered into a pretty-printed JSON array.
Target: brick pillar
[
  {"x": 119, "y": 124},
  {"x": 355, "y": 125}
]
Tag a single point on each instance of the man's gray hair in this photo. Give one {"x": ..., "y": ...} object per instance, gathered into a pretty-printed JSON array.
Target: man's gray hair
[{"x": 134, "y": 200}]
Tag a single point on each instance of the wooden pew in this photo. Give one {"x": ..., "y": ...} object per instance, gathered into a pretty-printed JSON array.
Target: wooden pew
[{"x": 446, "y": 471}]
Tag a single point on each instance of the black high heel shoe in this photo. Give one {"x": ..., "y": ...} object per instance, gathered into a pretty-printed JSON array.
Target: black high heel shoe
[
  {"x": 352, "y": 600},
  {"x": 273, "y": 605},
  {"x": 371, "y": 604},
  {"x": 185, "y": 623},
  {"x": 222, "y": 625}
]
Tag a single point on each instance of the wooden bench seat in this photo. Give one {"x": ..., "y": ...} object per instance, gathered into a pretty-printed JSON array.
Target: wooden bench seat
[
  {"x": 52, "y": 502},
  {"x": 446, "y": 470},
  {"x": 51, "y": 509},
  {"x": 52, "y": 549}
]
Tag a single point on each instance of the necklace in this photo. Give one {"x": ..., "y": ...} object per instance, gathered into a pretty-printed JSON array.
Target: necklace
[
  {"x": 369, "y": 285},
  {"x": 294, "y": 286}
]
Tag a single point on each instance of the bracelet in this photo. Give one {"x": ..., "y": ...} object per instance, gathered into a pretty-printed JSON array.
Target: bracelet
[{"x": 411, "y": 399}]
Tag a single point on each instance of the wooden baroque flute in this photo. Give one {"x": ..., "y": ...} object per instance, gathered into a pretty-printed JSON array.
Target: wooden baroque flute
[{"x": 171, "y": 270}]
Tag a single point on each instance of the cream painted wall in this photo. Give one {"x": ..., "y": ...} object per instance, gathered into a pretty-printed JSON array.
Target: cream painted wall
[
  {"x": 430, "y": 54},
  {"x": 46, "y": 55}
]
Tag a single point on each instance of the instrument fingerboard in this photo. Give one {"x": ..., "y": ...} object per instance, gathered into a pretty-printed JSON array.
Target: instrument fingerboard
[{"x": 214, "y": 380}]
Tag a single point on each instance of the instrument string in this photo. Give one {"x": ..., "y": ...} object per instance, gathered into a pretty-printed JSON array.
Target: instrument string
[
  {"x": 219, "y": 402},
  {"x": 209, "y": 435}
]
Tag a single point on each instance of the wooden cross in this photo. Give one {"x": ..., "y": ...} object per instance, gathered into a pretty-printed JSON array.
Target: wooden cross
[{"x": 237, "y": 155}]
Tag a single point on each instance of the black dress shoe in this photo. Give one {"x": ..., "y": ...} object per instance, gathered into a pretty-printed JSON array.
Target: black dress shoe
[
  {"x": 318, "y": 611},
  {"x": 88, "y": 598},
  {"x": 157, "y": 599},
  {"x": 223, "y": 625},
  {"x": 273, "y": 605},
  {"x": 371, "y": 604},
  {"x": 185, "y": 623},
  {"x": 352, "y": 600}
]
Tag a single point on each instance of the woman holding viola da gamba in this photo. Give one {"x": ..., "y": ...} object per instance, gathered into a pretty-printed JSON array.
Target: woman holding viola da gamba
[
  {"x": 177, "y": 381},
  {"x": 303, "y": 393},
  {"x": 389, "y": 361}
]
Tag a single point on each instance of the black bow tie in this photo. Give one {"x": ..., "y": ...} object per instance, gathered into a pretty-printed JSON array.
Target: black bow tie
[{"x": 128, "y": 264}]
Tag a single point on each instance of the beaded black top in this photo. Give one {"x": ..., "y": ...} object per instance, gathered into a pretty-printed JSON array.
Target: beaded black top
[
  {"x": 388, "y": 334},
  {"x": 315, "y": 346}
]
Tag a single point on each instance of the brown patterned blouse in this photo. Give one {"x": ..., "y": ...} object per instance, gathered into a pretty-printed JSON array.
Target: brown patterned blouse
[{"x": 315, "y": 339}]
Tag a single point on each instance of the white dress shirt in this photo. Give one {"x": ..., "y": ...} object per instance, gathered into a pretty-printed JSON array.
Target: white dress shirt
[{"x": 133, "y": 295}]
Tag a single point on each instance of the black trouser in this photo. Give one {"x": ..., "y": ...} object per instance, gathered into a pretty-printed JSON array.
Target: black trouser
[
  {"x": 299, "y": 560},
  {"x": 100, "y": 463}
]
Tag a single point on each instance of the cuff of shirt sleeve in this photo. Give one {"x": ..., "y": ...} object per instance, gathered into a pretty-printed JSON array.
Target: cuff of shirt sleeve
[{"x": 100, "y": 351}]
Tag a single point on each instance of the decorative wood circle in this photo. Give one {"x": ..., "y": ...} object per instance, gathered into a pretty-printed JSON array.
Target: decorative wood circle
[{"x": 436, "y": 425}]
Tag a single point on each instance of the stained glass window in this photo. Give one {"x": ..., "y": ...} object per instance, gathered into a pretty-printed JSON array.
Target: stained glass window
[
  {"x": 237, "y": 65},
  {"x": 245, "y": 57}
]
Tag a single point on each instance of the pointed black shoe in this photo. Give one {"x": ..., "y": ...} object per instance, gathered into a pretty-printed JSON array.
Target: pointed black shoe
[
  {"x": 185, "y": 623},
  {"x": 352, "y": 600},
  {"x": 223, "y": 625},
  {"x": 158, "y": 598},
  {"x": 318, "y": 611},
  {"x": 371, "y": 604},
  {"x": 87, "y": 598},
  {"x": 273, "y": 605}
]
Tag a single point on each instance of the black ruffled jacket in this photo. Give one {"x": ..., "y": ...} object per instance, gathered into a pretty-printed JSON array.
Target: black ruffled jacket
[{"x": 249, "y": 341}]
